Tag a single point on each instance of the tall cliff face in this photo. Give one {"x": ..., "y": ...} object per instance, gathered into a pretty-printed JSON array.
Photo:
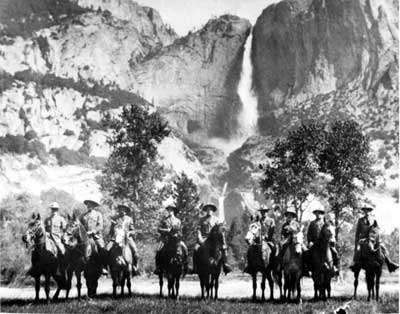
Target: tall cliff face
[
  {"x": 302, "y": 49},
  {"x": 194, "y": 81}
]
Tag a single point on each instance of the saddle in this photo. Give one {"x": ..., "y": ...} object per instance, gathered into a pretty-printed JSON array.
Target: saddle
[{"x": 51, "y": 245}]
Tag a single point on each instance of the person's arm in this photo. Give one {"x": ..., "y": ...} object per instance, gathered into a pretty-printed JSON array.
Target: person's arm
[
  {"x": 99, "y": 227},
  {"x": 271, "y": 231}
]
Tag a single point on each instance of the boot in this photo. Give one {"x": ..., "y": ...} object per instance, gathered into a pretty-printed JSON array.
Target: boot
[
  {"x": 226, "y": 268},
  {"x": 390, "y": 265},
  {"x": 135, "y": 270}
]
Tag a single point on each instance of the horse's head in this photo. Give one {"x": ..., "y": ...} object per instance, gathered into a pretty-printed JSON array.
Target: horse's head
[
  {"x": 373, "y": 237},
  {"x": 328, "y": 233},
  {"x": 119, "y": 234},
  {"x": 298, "y": 240},
  {"x": 72, "y": 235},
  {"x": 34, "y": 232},
  {"x": 217, "y": 233},
  {"x": 253, "y": 234}
]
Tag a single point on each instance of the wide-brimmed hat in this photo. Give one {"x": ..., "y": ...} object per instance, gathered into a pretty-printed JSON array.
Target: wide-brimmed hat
[
  {"x": 172, "y": 208},
  {"x": 319, "y": 210},
  {"x": 290, "y": 212},
  {"x": 367, "y": 208},
  {"x": 125, "y": 208},
  {"x": 209, "y": 207},
  {"x": 54, "y": 205},
  {"x": 263, "y": 208},
  {"x": 91, "y": 202}
]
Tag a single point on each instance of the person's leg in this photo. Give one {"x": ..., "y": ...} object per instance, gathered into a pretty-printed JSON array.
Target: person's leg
[
  {"x": 335, "y": 260},
  {"x": 195, "y": 252},
  {"x": 135, "y": 257},
  {"x": 157, "y": 271},
  {"x": 185, "y": 256}
]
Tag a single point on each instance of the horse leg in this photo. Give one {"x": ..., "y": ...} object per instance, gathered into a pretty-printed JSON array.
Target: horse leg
[
  {"x": 377, "y": 284},
  {"x": 123, "y": 277},
  {"x": 271, "y": 285},
  {"x": 369, "y": 285},
  {"x": 202, "y": 286},
  {"x": 328, "y": 288},
  {"x": 78, "y": 276},
  {"x": 356, "y": 274},
  {"x": 286, "y": 287},
  {"x": 254, "y": 276},
  {"x": 216, "y": 286},
  {"x": 208, "y": 279},
  {"x": 115, "y": 281},
  {"x": 69, "y": 279},
  {"x": 177, "y": 286},
  {"x": 263, "y": 279},
  {"x": 128, "y": 283},
  {"x": 47, "y": 286},
  {"x": 37, "y": 288},
  {"x": 211, "y": 285},
  {"x": 298, "y": 283},
  {"x": 170, "y": 287}
]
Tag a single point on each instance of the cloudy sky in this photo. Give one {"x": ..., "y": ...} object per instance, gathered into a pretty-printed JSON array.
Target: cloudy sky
[{"x": 184, "y": 15}]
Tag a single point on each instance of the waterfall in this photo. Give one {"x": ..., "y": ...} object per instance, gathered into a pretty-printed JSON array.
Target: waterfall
[
  {"x": 221, "y": 199},
  {"x": 248, "y": 116},
  {"x": 247, "y": 119}
]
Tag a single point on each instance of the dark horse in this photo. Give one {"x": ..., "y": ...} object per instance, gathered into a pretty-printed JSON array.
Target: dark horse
[
  {"x": 209, "y": 261},
  {"x": 321, "y": 263},
  {"x": 171, "y": 264},
  {"x": 44, "y": 257},
  {"x": 82, "y": 256},
  {"x": 292, "y": 265},
  {"x": 371, "y": 260},
  {"x": 120, "y": 261},
  {"x": 260, "y": 260}
]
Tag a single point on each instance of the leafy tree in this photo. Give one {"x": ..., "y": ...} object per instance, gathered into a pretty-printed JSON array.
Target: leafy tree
[
  {"x": 236, "y": 237},
  {"x": 347, "y": 160},
  {"x": 131, "y": 171},
  {"x": 187, "y": 200},
  {"x": 293, "y": 167}
]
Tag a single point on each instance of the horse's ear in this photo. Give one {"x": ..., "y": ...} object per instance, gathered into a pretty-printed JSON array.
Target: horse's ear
[
  {"x": 38, "y": 217},
  {"x": 69, "y": 217},
  {"x": 375, "y": 225},
  {"x": 33, "y": 216}
]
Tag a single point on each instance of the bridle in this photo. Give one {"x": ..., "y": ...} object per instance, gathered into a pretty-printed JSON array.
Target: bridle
[{"x": 32, "y": 233}]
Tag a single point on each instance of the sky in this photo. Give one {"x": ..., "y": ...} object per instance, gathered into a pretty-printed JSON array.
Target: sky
[{"x": 185, "y": 15}]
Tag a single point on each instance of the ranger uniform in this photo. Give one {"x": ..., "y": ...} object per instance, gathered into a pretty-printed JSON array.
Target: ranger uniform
[
  {"x": 168, "y": 224},
  {"x": 313, "y": 234},
  {"x": 123, "y": 219},
  {"x": 55, "y": 225},
  {"x": 365, "y": 225},
  {"x": 206, "y": 223}
]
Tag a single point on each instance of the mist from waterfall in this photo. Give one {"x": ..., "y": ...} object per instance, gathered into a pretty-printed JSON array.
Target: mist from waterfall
[{"x": 248, "y": 115}]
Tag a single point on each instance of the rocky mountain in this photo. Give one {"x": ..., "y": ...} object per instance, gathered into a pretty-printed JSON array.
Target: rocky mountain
[{"x": 65, "y": 64}]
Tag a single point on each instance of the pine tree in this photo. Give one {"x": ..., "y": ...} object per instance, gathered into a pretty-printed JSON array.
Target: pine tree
[{"x": 186, "y": 200}]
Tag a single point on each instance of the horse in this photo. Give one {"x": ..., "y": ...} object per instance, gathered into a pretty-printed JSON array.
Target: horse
[
  {"x": 209, "y": 261},
  {"x": 120, "y": 261},
  {"x": 292, "y": 265},
  {"x": 260, "y": 260},
  {"x": 321, "y": 263},
  {"x": 171, "y": 265},
  {"x": 371, "y": 260},
  {"x": 44, "y": 257},
  {"x": 82, "y": 256}
]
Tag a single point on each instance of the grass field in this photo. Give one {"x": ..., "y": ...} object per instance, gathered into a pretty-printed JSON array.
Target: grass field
[{"x": 235, "y": 298}]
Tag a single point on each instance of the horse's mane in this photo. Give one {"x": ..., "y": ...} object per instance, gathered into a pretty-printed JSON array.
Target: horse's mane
[{"x": 82, "y": 232}]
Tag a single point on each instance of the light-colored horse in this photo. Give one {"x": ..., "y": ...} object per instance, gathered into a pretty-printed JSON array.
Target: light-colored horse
[
  {"x": 121, "y": 261},
  {"x": 260, "y": 260}
]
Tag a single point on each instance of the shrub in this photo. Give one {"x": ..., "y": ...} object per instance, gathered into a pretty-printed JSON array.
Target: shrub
[
  {"x": 30, "y": 135},
  {"x": 37, "y": 148},
  {"x": 69, "y": 133},
  {"x": 67, "y": 156},
  {"x": 13, "y": 144}
]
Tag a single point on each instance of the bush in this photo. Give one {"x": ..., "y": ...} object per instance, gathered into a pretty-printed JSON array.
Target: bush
[
  {"x": 67, "y": 156},
  {"x": 37, "y": 148},
  {"x": 30, "y": 135},
  {"x": 69, "y": 133},
  {"x": 13, "y": 144}
]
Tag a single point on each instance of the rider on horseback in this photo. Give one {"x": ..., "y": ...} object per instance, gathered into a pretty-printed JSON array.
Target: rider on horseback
[
  {"x": 55, "y": 226},
  {"x": 207, "y": 222},
  {"x": 168, "y": 224},
  {"x": 122, "y": 218},
  {"x": 92, "y": 220},
  {"x": 313, "y": 234},
  {"x": 289, "y": 228},
  {"x": 267, "y": 225},
  {"x": 364, "y": 225}
]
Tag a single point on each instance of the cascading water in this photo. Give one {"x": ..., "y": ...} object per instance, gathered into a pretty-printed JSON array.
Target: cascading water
[
  {"x": 247, "y": 119},
  {"x": 248, "y": 116}
]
